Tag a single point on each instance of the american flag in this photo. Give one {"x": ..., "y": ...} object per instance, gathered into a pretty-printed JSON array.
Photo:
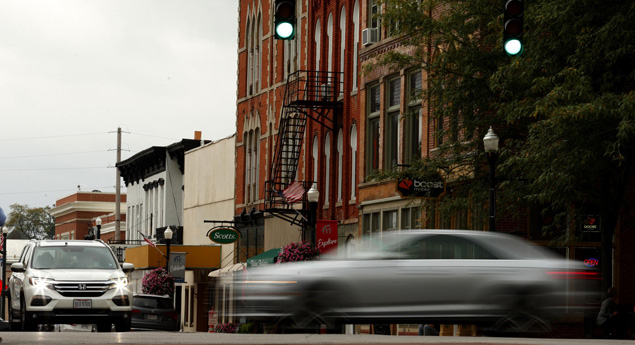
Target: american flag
[
  {"x": 293, "y": 193},
  {"x": 150, "y": 243}
]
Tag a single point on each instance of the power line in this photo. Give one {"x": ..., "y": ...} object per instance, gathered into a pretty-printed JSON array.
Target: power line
[
  {"x": 53, "y": 136},
  {"x": 46, "y": 169},
  {"x": 152, "y": 136},
  {"x": 53, "y": 154},
  {"x": 52, "y": 191}
]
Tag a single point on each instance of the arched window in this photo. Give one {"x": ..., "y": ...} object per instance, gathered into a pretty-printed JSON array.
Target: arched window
[
  {"x": 342, "y": 45},
  {"x": 329, "y": 34},
  {"x": 340, "y": 154},
  {"x": 249, "y": 57},
  {"x": 315, "y": 159},
  {"x": 327, "y": 172},
  {"x": 355, "y": 42},
  {"x": 353, "y": 161},
  {"x": 318, "y": 35},
  {"x": 257, "y": 40}
]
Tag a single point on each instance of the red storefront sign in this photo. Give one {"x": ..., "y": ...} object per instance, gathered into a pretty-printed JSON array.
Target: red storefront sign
[{"x": 326, "y": 235}]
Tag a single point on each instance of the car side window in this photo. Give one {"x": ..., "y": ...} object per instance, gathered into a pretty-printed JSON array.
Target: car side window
[
  {"x": 443, "y": 247},
  {"x": 24, "y": 258}
]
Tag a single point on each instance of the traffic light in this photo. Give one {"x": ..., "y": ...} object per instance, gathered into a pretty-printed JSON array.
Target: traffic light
[
  {"x": 513, "y": 27},
  {"x": 284, "y": 19}
]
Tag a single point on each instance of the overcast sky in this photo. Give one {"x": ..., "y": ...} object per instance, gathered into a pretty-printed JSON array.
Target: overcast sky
[{"x": 72, "y": 71}]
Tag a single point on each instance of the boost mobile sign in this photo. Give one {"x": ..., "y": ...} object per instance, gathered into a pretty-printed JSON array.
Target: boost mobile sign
[
  {"x": 420, "y": 188},
  {"x": 223, "y": 235}
]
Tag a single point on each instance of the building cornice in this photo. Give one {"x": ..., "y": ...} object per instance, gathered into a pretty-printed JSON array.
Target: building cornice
[{"x": 86, "y": 206}]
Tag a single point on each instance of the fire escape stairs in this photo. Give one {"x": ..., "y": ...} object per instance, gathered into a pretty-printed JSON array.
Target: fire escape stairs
[{"x": 308, "y": 94}]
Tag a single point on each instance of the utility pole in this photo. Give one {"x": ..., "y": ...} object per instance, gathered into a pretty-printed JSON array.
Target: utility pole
[{"x": 118, "y": 189}]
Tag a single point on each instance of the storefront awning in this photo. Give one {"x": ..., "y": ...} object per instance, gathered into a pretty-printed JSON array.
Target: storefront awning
[
  {"x": 226, "y": 270},
  {"x": 267, "y": 258}
]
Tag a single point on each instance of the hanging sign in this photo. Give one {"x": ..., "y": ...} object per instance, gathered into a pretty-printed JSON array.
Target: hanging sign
[
  {"x": 326, "y": 235},
  {"x": 421, "y": 188},
  {"x": 591, "y": 223},
  {"x": 223, "y": 235}
]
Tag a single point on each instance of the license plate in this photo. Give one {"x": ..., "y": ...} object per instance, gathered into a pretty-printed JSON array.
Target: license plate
[
  {"x": 152, "y": 317},
  {"x": 82, "y": 303}
]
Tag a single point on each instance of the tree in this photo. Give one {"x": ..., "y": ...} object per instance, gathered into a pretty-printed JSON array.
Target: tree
[
  {"x": 35, "y": 223},
  {"x": 564, "y": 109}
]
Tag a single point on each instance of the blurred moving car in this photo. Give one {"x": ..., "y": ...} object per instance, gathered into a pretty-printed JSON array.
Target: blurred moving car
[
  {"x": 154, "y": 312},
  {"x": 420, "y": 276}
]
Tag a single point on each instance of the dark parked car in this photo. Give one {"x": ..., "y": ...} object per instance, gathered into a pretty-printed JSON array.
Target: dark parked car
[
  {"x": 420, "y": 276},
  {"x": 154, "y": 312}
]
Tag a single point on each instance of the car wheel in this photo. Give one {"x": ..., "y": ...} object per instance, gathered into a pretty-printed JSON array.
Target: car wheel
[
  {"x": 27, "y": 325},
  {"x": 14, "y": 324},
  {"x": 521, "y": 323},
  {"x": 123, "y": 325},
  {"x": 312, "y": 312},
  {"x": 522, "y": 317},
  {"x": 104, "y": 327}
]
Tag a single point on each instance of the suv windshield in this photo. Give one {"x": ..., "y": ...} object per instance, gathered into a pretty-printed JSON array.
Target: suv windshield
[{"x": 73, "y": 257}]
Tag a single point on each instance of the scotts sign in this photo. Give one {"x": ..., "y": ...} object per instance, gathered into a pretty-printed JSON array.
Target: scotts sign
[
  {"x": 420, "y": 188},
  {"x": 224, "y": 235}
]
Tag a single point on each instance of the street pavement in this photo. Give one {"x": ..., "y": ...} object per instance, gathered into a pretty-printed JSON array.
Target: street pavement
[{"x": 160, "y": 338}]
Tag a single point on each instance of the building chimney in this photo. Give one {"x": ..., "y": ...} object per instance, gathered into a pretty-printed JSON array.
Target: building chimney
[{"x": 197, "y": 135}]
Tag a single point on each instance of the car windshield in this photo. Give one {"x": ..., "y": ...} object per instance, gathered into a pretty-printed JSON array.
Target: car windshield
[
  {"x": 152, "y": 303},
  {"x": 73, "y": 257}
]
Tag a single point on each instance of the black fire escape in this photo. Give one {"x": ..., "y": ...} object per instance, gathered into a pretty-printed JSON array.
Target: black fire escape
[{"x": 309, "y": 94}]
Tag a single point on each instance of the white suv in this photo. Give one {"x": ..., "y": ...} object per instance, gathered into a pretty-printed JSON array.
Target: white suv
[{"x": 69, "y": 282}]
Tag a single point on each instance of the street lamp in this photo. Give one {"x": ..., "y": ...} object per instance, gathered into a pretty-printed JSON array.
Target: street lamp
[
  {"x": 3, "y": 218},
  {"x": 98, "y": 223},
  {"x": 313, "y": 195},
  {"x": 490, "y": 142},
  {"x": 167, "y": 234}
]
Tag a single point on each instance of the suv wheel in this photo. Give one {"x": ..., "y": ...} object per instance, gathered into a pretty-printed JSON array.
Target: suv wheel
[
  {"x": 104, "y": 327},
  {"x": 27, "y": 325},
  {"x": 123, "y": 325},
  {"x": 14, "y": 325}
]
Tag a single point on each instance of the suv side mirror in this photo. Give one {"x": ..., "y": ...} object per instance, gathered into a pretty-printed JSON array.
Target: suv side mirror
[
  {"x": 126, "y": 267},
  {"x": 17, "y": 267}
]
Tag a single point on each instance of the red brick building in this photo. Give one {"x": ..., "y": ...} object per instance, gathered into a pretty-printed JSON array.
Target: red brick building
[
  {"x": 297, "y": 120},
  {"x": 75, "y": 215}
]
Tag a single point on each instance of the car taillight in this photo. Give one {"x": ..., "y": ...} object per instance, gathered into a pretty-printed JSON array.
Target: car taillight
[
  {"x": 172, "y": 316},
  {"x": 574, "y": 275},
  {"x": 136, "y": 311}
]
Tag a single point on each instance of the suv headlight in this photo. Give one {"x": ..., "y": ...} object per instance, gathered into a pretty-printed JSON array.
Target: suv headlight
[
  {"x": 119, "y": 283},
  {"x": 41, "y": 283}
]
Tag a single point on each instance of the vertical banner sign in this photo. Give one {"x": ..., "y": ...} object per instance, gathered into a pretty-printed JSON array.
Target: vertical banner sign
[
  {"x": 177, "y": 267},
  {"x": 326, "y": 235}
]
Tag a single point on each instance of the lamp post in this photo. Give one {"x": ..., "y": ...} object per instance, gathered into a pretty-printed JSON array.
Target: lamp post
[
  {"x": 167, "y": 234},
  {"x": 313, "y": 195},
  {"x": 490, "y": 142},
  {"x": 98, "y": 223},
  {"x": 3, "y": 218}
]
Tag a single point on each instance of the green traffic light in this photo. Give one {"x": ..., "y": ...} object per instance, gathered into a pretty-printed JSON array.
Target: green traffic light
[
  {"x": 284, "y": 30},
  {"x": 513, "y": 47}
]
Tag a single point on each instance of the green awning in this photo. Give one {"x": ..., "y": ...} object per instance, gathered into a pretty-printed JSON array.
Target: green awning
[{"x": 267, "y": 258}]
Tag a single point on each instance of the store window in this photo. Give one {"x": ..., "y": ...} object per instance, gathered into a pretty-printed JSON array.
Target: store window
[{"x": 390, "y": 220}]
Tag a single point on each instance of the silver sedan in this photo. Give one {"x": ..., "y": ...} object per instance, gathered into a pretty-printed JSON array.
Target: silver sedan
[{"x": 421, "y": 276}]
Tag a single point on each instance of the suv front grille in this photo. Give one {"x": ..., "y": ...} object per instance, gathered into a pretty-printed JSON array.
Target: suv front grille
[{"x": 82, "y": 289}]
